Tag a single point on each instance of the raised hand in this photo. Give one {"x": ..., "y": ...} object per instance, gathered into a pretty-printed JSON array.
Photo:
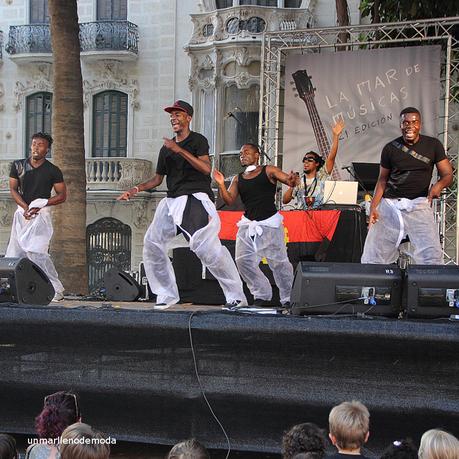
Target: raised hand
[
  {"x": 337, "y": 129},
  {"x": 218, "y": 177}
]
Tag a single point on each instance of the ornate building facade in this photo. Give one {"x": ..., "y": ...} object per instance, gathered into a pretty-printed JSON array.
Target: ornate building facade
[{"x": 137, "y": 57}]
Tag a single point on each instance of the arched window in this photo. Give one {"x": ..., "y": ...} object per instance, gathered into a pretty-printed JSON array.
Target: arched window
[
  {"x": 110, "y": 124},
  {"x": 38, "y": 116},
  {"x": 111, "y": 10},
  {"x": 108, "y": 245},
  {"x": 39, "y": 12}
]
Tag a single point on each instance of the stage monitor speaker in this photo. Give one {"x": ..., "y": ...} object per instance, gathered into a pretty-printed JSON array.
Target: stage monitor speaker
[
  {"x": 432, "y": 291},
  {"x": 22, "y": 281},
  {"x": 120, "y": 286},
  {"x": 346, "y": 288},
  {"x": 367, "y": 175}
]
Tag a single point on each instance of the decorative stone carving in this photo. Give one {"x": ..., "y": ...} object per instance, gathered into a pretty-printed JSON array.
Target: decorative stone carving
[
  {"x": 6, "y": 213},
  {"x": 5, "y": 167},
  {"x": 139, "y": 214},
  {"x": 41, "y": 82},
  {"x": 133, "y": 172},
  {"x": 110, "y": 75}
]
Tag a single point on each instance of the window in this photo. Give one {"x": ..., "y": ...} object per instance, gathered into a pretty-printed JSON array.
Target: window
[
  {"x": 110, "y": 124},
  {"x": 259, "y": 2},
  {"x": 241, "y": 123},
  {"x": 111, "y": 10},
  {"x": 270, "y": 3},
  {"x": 224, "y": 4},
  {"x": 38, "y": 116},
  {"x": 39, "y": 12}
]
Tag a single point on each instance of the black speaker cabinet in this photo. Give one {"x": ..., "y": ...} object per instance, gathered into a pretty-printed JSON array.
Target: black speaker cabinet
[
  {"x": 432, "y": 291},
  {"x": 120, "y": 286},
  {"x": 346, "y": 288},
  {"x": 22, "y": 281}
]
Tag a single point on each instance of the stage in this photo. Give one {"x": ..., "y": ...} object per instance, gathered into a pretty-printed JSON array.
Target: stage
[{"x": 133, "y": 368}]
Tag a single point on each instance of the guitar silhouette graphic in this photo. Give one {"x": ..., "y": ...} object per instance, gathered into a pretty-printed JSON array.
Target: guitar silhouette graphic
[{"x": 306, "y": 91}]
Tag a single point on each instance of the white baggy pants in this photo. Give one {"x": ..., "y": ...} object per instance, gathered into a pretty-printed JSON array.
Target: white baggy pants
[
  {"x": 398, "y": 218},
  {"x": 30, "y": 239},
  {"x": 256, "y": 240},
  {"x": 204, "y": 243}
]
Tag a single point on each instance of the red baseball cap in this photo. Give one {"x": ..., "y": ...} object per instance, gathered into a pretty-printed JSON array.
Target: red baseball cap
[{"x": 182, "y": 106}]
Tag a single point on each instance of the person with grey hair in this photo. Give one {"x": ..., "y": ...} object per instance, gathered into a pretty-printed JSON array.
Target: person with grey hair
[
  {"x": 438, "y": 444},
  {"x": 81, "y": 441},
  {"x": 188, "y": 449}
]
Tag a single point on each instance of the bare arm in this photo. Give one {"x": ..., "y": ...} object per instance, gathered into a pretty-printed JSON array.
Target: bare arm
[
  {"x": 379, "y": 191},
  {"x": 445, "y": 171},
  {"x": 14, "y": 186},
  {"x": 200, "y": 163},
  {"x": 228, "y": 195},
  {"x": 274, "y": 173},
  {"x": 336, "y": 130},
  {"x": 155, "y": 181},
  {"x": 61, "y": 194}
]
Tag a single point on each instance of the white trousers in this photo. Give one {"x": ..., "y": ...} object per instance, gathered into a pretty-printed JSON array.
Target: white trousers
[
  {"x": 398, "y": 218},
  {"x": 204, "y": 243},
  {"x": 30, "y": 239},
  {"x": 250, "y": 249}
]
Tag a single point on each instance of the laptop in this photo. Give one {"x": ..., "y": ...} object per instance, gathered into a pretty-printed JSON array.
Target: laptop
[{"x": 340, "y": 192}]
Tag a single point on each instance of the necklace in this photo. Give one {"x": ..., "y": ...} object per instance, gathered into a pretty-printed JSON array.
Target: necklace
[{"x": 309, "y": 189}]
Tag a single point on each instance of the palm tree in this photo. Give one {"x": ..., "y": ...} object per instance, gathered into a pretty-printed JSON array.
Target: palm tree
[
  {"x": 342, "y": 17},
  {"x": 69, "y": 242}
]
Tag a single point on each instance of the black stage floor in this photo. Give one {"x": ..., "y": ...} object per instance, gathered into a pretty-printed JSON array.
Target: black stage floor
[{"x": 133, "y": 368}]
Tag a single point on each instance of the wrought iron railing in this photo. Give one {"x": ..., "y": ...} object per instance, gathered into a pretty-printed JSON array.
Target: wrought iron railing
[
  {"x": 109, "y": 36},
  {"x": 94, "y": 36},
  {"x": 32, "y": 38}
]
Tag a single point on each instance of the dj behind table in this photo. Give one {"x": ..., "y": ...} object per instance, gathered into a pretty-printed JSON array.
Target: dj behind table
[{"x": 333, "y": 233}]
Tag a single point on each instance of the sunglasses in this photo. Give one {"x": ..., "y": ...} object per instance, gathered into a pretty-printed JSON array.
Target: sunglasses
[
  {"x": 310, "y": 159},
  {"x": 69, "y": 394}
]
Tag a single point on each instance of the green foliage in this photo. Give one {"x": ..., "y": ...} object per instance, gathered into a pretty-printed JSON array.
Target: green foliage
[{"x": 407, "y": 10}]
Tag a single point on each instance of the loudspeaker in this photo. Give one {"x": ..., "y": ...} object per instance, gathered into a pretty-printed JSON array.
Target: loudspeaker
[
  {"x": 346, "y": 288},
  {"x": 22, "y": 281},
  {"x": 120, "y": 286},
  {"x": 432, "y": 290}
]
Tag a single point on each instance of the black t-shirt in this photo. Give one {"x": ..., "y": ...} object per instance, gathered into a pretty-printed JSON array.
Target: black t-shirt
[
  {"x": 257, "y": 195},
  {"x": 36, "y": 182},
  {"x": 410, "y": 177},
  {"x": 181, "y": 177},
  {"x": 345, "y": 456}
]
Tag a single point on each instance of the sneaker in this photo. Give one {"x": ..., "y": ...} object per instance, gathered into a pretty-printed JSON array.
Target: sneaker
[
  {"x": 58, "y": 296},
  {"x": 235, "y": 304}
]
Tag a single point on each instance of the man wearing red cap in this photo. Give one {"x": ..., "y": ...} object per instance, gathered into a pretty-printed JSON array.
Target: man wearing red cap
[{"x": 187, "y": 209}]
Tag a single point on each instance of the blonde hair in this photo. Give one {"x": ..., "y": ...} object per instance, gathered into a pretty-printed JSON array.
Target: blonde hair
[
  {"x": 438, "y": 444},
  {"x": 188, "y": 449},
  {"x": 349, "y": 423},
  {"x": 92, "y": 444}
]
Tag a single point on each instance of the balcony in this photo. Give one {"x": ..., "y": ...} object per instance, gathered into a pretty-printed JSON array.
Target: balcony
[
  {"x": 109, "y": 40},
  {"x": 98, "y": 40},
  {"x": 108, "y": 174},
  {"x": 116, "y": 174}
]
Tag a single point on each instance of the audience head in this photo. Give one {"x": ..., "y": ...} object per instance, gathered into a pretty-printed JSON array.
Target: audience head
[
  {"x": 7, "y": 447},
  {"x": 438, "y": 444},
  {"x": 304, "y": 438},
  {"x": 403, "y": 449},
  {"x": 81, "y": 441},
  {"x": 59, "y": 411},
  {"x": 349, "y": 424},
  {"x": 188, "y": 449}
]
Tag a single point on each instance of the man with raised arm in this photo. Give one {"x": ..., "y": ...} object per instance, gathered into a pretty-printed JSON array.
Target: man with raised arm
[
  {"x": 402, "y": 201},
  {"x": 187, "y": 209},
  {"x": 31, "y": 182},
  {"x": 261, "y": 232}
]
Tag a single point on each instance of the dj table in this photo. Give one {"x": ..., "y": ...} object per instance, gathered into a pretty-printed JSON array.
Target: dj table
[{"x": 334, "y": 233}]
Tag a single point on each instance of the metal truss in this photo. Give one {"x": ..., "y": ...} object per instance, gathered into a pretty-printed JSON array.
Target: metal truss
[{"x": 277, "y": 46}]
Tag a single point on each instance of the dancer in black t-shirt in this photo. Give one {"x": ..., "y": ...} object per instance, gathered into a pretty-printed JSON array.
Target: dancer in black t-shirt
[
  {"x": 31, "y": 182},
  {"x": 188, "y": 209},
  {"x": 261, "y": 232},
  {"x": 402, "y": 202}
]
